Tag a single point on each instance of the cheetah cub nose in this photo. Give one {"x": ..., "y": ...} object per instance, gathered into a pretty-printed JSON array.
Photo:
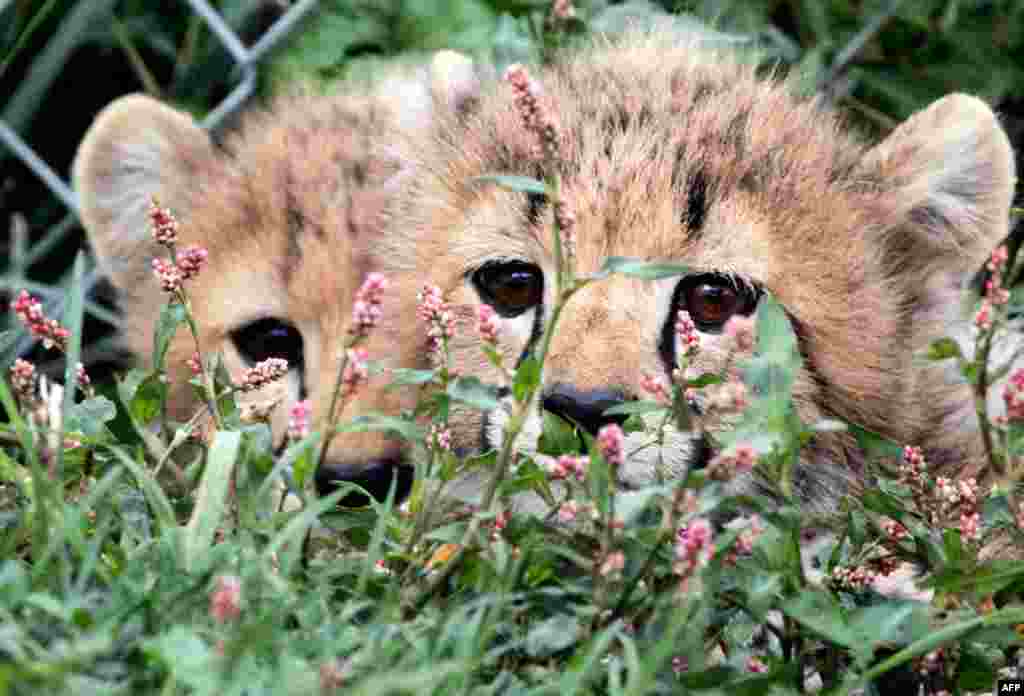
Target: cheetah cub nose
[
  {"x": 585, "y": 408},
  {"x": 374, "y": 476}
]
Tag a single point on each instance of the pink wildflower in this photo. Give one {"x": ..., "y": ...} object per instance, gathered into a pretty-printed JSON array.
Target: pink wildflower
[
  {"x": 226, "y": 600},
  {"x": 1013, "y": 396},
  {"x": 727, "y": 466},
  {"x": 356, "y": 370},
  {"x": 567, "y": 511},
  {"x": 536, "y": 118},
  {"x": 741, "y": 330},
  {"x": 983, "y": 319},
  {"x": 195, "y": 364},
  {"x": 567, "y": 465},
  {"x": 693, "y": 547},
  {"x": 191, "y": 260},
  {"x": 756, "y": 665},
  {"x": 263, "y": 373},
  {"x": 366, "y": 310},
  {"x": 854, "y": 579},
  {"x": 163, "y": 224},
  {"x": 23, "y": 380},
  {"x": 610, "y": 440},
  {"x": 562, "y": 10},
  {"x": 488, "y": 325},
  {"x": 656, "y": 387},
  {"x": 613, "y": 564},
  {"x": 441, "y": 437},
  {"x": 83, "y": 377},
  {"x": 30, "y": 311},
  {"x": 686, "y": 330},
  {"x": 168, "y": 274},
  {"x": 298, "y": 419},
  {"x": 679, "y": 664},
  {"x": 436, "y": 314},
  {"x": 893, "y": 529}
]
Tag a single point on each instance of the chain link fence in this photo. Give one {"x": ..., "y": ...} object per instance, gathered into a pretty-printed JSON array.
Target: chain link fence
[{"x": 246, "y": 61}]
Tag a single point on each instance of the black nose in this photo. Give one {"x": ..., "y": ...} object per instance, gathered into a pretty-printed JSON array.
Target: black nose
[
  {"x": 375, "y": 476},
  {"x": 585, "y": 408}
]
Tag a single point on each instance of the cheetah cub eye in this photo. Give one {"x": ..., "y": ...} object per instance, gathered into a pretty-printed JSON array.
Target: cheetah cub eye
[
  {"x": 511, "y": 287},
  {"x": 268, "y": 338},
  {"x": 712, "y": 299}
]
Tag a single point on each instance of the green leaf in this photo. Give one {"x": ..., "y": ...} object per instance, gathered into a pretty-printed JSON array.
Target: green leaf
[
  {"x": 472, "y": 392},
  {"x": 820, "y": 612},
  {"x": 523, "y": 184},
  {"x": 874, "y": 445},
  {"x": 638, "y": 268},
  {"x": 172, "y": 315},
  {"x": 558, "y": 436},
  {"x": 527, "y": 378},
  {"x": 90, "y": 416},
  {"x": 552, "y": 635},
  {"x": 211, "y": 496},
  {"x": 373, "y": 422},
  {"x": 402, "y": 376},
  {"x": 705, "y": 380},
  {"x": 943, "y": 349},
  {"x": 148, "y": 398},
  {"x": 636, "y": 408}
]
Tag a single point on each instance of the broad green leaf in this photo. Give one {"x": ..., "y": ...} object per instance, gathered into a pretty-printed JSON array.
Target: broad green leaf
[
  {"x": 472, "y": 392},
  {"x": 523, "y": 184},
  {"x": 172, "y": 316},
  {"x": 638, "y": 268},
  {"x": 635, "y": 408},
  {"x": 552, "y": 635},
  {"x": 944, "y": 349},
  {"x": 373, "y": 422},
  {"x": 527, "y": 378},
  {"x": 402, "y": 376},
  {"x": 211, "y": 495},
  {"x": 90, "y": 416}
]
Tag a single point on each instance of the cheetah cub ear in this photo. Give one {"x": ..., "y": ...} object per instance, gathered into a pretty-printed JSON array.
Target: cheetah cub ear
[
  {"x": 136, "y": 148},
  {"x": 948, "y": 174}
]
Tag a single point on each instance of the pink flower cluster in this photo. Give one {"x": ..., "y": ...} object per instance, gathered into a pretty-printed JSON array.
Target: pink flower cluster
[
  {"x": 30, "y": 311},
  {"x": 613, "y": 564},
  {"x": 725, "y": 467},
  {"x": 23, "y": 380},
  {"x": 366, "y": 310},
  {"x": 263, "y": 373},
  {"x": 694, "y": 548},
  {"x": 440, "y": 436},
  {"x": 995, "y": 294},
  {"x": 959, "y": 499},
  {"x": 356, "y": 370},
  {"x": 433, "y": 311},
  {"x": 742, "y": 330},
  {"x": 536, "y": 118},
  {"x": 565, "y": 218},
  {"x": 488, "y": 325},
  {"x": 191, "y": 260},
  {"x": 1013, "y": 396},
  {"x": 163, "y": 224},
  {"x": 610, "y": 440},
  {"x": 226, "y": 600},
  {"x": 854, "y": 579},
  {"x": 894, "y": 530},
  {"x": 686, "y": 330},
  {"x": 567, "y": 465},
  {"x": 656, "y": 387},
  {"x": 299, "y": 416}
]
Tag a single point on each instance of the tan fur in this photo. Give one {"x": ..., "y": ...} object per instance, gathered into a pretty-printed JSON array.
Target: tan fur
[
  {"x": 865, "y": 247},
  {"x": 286, "y": 210}
]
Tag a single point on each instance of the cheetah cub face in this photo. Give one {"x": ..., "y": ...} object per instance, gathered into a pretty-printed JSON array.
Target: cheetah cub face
[{"x": 673, "y": 152}]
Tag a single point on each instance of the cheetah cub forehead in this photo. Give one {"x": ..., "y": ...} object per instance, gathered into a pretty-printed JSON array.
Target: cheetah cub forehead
[
  {"x": 288, "y": 207},
  {"x": 673, "y": 151}
]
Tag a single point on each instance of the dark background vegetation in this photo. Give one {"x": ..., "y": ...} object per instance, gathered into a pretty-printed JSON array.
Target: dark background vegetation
[{"x": 61, "y": 61}]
